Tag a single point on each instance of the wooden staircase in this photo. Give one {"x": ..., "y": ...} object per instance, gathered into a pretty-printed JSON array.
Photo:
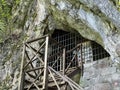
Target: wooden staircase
[{"x": 43, "y": 76}]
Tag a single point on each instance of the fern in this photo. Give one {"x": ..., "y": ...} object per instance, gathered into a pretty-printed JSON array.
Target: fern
[
  {"x": 2, "y": 30},
  {"x": 2, "y": 26}
]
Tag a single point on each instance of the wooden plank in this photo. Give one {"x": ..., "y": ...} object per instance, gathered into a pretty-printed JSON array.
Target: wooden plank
[
  {"x": 54, "y": 80},
  {"x": 45, "y": 79},
  {"x": 21, "y": 79}
]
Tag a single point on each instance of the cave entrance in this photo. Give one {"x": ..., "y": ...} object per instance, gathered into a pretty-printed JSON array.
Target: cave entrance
[
  {"x": 87, "y": 52},
  {"x": 57, "y": 59}
]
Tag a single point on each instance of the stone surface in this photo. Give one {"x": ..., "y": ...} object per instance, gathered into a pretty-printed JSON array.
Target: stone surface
[
  {"x": 102, "y": 86},
  {"x": 97, "y": 20},
  {"x": 96, "y": 77}
]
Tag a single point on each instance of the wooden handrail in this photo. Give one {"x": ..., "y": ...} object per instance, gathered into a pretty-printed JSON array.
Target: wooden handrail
[{"x": 30, "y": 41}]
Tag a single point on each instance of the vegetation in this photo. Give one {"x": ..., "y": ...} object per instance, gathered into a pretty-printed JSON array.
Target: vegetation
[{"x": 5, "y": 17}]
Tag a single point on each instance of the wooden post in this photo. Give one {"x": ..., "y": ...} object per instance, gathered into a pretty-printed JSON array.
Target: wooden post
[
  {"x": 81, "y": 60},
  {"x": 61, "y": 64},
  {"x": 45, "y": 78},
  {"x": 21, "y": 79},
  {"x": 64, "y": 61}
]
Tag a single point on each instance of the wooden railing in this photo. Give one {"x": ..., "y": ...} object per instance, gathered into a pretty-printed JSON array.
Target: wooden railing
[{"x": 43, "y": 71}]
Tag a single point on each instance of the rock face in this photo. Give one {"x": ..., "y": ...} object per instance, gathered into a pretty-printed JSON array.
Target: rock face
[
  {"x": 100, "y": 75},
  {"x": 97, "y": 20}
]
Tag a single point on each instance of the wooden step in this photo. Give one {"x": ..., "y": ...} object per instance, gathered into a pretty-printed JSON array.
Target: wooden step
[{"x": 71, "y": 72}]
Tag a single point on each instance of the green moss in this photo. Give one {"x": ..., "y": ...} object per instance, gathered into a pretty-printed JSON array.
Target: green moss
[{"x": 76, "y": 78}]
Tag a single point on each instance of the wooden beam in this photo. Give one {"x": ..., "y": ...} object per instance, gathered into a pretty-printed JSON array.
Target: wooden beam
[
  {"x": 66, "y": 79},
  {"x": 35, "y": 79},
  {"x": 21, "y": 79},
  {"x": 69, "y": 51},
  {"x": 30, "y": 75},
  {"x": 71, "y": 86},
  {"x": 45, "y": 79},
  {"x": 34, "y": 69},
  {"x": 70, "y": 63},
  {"x": 36, "y": 39},
  {"x": 55, "y": 61},
  {"x": 36, "y": 86},
  {"x": 54, "y": 80},
  {"x": 64, "y": 55},
  {"x": 81, "y": 60},
  {"x": 75, "y": 84},
  {"x": 35, "y": 53},
  {"x": 30, "y": 62}
]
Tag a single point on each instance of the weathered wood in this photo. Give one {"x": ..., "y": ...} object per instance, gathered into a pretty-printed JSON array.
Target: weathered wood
[
  {"x": 30, "y": 62},
  {"x": 55, "y": 62},
  {"x": 54, "y": 80},
  {"x": 45, "y": 79},
  {"x": 35, "y": 53},
  {"x": 69, "y": 51},
  {"x": 70, "y": 63},
  {"x": 36, "y": 86},
  {"x": 45, "y": 68},
  {"x": 35, "y": 79},
  {"x": 30, "y": 75},
  {"x": 34, "y": 69},
  {"x": 71, "y": 86},
  {"x": 75, "y": 84},
  {"x": 36, "y": 39},
  {"x": 81, "y": 66},
  {"x": 64, "y": 51},
  {"x": 21, "y": 79},
  {"x": 66, "y": 79}
]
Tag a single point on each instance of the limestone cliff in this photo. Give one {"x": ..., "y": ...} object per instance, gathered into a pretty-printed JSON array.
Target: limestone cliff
[{"x": 97, "y": 20}]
